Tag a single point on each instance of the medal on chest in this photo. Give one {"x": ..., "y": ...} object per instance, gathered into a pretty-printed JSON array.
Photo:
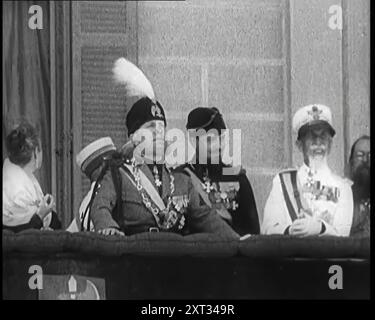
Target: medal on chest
[
  {"x": 321, "y": 199},
  {"x": 208, "y": 186},
  {"x": 158, "y": 182},
  {"x": 316, "y": 190},
  {"x": 222, "y": 193},
  {"x": 172, "y": 216},
  {"x": 364, "y": 206}
]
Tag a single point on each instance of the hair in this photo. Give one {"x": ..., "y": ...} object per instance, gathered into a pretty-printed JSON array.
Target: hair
[
  {"x": 363, "y": 137},
  {"x": 21, "y": 142}
]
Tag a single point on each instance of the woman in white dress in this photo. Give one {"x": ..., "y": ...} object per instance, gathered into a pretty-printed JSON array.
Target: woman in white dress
[{"x": 24, "y": 204}]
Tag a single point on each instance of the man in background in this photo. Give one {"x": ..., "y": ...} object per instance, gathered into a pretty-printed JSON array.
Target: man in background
[
  {"x": 220, "y": 184},
  {"x": 359, "y": 162}
]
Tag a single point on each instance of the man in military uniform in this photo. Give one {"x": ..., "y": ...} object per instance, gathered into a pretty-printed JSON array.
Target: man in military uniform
[
  {"x": 359, "y": 162},
  {"x": 221, "y": 186},
  {"x": 311, "y": 200},
  {"x": 153, "y": 197},
  {"x": 91, "y": 160}
]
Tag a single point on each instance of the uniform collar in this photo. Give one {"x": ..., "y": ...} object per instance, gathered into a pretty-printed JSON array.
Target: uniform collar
[
  {"x": 213, "y": 171},
  {"x": 325, "y": 170}
]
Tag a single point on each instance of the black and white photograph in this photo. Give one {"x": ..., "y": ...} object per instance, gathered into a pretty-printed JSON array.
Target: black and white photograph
[{"x": 186, "y": 155}]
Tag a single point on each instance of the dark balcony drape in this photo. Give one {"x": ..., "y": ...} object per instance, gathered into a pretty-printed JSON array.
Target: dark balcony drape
[{"x": 26, "y": 76}]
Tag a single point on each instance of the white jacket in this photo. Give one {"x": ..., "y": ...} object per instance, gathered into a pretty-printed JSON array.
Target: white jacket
[
  {"x": 337, "y": 215},
  {"x": 22, "y": 195}
]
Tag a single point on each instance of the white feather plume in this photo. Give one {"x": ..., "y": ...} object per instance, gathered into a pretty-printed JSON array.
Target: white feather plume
[{"x": 134, "y": 80}]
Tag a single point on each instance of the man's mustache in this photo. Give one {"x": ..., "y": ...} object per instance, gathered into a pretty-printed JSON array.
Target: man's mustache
[
  {"x": 363, "y": 165},
  {"x": 363, "y": 169},
  {"x": 318, "y": 149},
  {"x": 362, "y": 174}
]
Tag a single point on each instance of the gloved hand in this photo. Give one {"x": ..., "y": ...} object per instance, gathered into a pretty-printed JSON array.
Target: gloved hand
[
  {"x": 244, "y": 237},
  {"x": 305, "y": 227},
  {"x": 46, "y": 206}
]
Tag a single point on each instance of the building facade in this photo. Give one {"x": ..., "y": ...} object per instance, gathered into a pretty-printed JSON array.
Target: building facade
[{"x": 257, "y": 61}]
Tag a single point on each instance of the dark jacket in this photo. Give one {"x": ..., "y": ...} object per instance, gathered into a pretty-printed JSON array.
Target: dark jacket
[
  {"x": 361, "y": 214},
  {"x": 243, "y": 209},
  {"x": 137, "y": 218}
]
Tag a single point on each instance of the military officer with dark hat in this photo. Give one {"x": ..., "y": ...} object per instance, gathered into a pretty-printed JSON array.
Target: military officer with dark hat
[
  {"x": 230, "y": 192},
  {"x": 153, "y": 197}
]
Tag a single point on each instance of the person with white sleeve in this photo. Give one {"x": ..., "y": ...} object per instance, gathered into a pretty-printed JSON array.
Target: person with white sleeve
[{"x": 310, "y": 200}]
